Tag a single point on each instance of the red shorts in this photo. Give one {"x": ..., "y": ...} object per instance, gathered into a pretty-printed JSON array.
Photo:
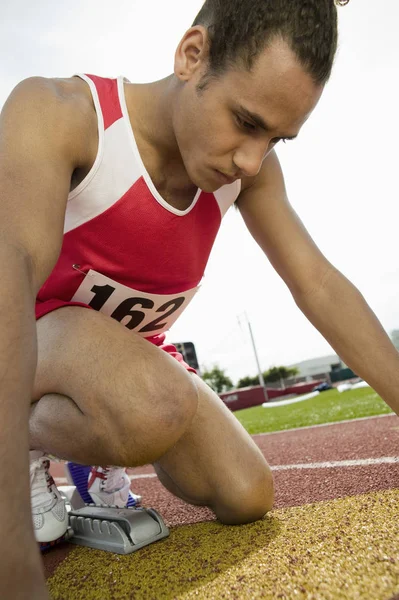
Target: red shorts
[{"x": 42, "y": 308}]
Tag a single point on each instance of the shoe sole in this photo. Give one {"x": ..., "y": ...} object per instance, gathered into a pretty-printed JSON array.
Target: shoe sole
[{"x": 44, "y": 546}]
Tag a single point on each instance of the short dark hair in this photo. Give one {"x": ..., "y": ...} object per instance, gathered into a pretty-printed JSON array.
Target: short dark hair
[{"x": 239, "y": 30}]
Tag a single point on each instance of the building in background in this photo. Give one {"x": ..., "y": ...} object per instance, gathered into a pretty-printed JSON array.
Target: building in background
[
  {"x": 311, "y": 372},
  {"x": 330, "y": 368},
  {"x": 187, "y": 350},
  {"x": 314, "y": 367}
]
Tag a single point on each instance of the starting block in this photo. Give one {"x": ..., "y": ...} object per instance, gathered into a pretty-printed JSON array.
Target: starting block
[{"x": 118, "y": 530}]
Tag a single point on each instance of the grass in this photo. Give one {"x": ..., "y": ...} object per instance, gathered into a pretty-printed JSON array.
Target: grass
[{"x": 327, "y": 407}]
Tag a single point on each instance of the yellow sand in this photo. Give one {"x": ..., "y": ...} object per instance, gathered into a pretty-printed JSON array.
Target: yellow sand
[{"x": 346, "y": 548}]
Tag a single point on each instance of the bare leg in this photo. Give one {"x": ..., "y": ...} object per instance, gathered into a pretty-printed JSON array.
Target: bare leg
[
  {"x": 103, "y": 395},
  {"x": 216, "y": 463}
]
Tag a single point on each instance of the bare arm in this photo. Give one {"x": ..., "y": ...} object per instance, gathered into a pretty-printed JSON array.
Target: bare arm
[
  {"x": 330, "y": 302},
  {"x": 37, "y": 159}
]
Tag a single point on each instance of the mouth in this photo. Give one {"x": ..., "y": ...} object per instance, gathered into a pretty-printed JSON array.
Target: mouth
[{"x": 226, "y": 179}]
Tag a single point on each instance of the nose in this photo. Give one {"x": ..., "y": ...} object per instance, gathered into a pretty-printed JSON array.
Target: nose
[{"x": 249, "y": 158}]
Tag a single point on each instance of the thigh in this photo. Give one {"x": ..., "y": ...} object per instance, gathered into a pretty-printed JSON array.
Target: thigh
[
  {"x": 124, "y": 384},
  {"x": 216, "y": 463}
]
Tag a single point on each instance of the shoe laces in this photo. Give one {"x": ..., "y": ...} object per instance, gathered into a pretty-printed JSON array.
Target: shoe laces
[
  {"x": 40, "y": 484},
  {"x": 113, "y": 479}
]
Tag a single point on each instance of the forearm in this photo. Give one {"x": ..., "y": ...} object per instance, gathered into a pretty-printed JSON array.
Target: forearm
[
  {"x": 18, "y": 353},
  {"x": 338, "y": 310}
]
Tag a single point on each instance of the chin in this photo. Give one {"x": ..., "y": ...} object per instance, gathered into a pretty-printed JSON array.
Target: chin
[
  {"x": 206, "y": 184},
  {"x": 209, "y": 188},
  {"x": 202, "y": 181},
  {"x": 203, "y": 184}
]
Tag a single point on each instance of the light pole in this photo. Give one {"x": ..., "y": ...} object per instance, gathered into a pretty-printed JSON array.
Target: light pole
[{"x": 260, "y": 375}]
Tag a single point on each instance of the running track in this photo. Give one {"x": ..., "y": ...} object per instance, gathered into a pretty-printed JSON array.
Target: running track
[
  {"x": 346, "y": 547},
  {"x": 309, "y": 465}
]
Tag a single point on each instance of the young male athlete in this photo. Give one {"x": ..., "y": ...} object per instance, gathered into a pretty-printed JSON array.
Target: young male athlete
[{"x": 111, "y": 195}]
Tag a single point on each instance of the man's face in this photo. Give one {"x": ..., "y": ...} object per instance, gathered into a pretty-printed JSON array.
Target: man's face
[{"x": 226, "y": 131}]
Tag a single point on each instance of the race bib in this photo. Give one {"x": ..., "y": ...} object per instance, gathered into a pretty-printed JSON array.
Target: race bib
[{"x": 146, "y": 314}]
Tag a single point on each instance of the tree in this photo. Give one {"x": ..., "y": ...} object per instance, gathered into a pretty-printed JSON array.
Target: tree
[
  {"x": 279, "y": 373},
  {"x": 217, "y": 379},
  {"x": 271, "y": 376},
  {"x": 248, "y": 382}
]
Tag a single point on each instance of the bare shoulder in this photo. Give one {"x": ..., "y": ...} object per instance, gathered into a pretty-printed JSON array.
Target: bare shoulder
[
  {"x": 269, "y": 176},
  {"x": 278, "y": 230},
  {"x": 73, "y": 93},
  {"x": 269, "y": 182},
  {"x": 68, "y": 94},
  {"x": 48, "y": 133},
  {"x": 62, "y": 108}
]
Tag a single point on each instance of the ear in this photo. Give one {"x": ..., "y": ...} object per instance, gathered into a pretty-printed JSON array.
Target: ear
[{"x": 192, "y": 53}]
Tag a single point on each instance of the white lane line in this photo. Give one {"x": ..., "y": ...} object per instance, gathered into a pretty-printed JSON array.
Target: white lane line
[
  {"x": 365, "y": 462},
  {"x": 392, "y": 414},
  {"x": 290, "y": 401}
]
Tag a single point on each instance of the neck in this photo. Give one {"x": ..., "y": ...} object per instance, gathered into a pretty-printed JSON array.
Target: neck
[
  {"x": 150, "y": 108},
  {"x": 150, "y": 111}
]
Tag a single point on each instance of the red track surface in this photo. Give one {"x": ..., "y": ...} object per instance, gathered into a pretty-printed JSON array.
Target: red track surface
[
  {"x": 365, "y": 438},
  {"x": 362, "y": 439}
]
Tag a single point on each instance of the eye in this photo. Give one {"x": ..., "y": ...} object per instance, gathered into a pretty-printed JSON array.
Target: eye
[
  {"x": 275, "y": 141},
  {"x": 250, "y": 127}
]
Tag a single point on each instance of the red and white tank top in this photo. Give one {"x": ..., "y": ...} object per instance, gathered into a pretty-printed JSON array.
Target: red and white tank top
[{"x": 126, "y": 251}]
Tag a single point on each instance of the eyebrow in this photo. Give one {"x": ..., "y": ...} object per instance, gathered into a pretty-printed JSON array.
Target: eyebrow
[{"x": 260, "y": 122}]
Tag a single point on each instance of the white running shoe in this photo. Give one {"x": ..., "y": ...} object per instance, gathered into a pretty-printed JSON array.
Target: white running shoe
[
  {"x": 111, "y": 486},
  {"x": 49, "y": 514}
]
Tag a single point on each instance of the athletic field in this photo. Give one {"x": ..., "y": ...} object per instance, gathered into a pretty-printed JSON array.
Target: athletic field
[{"x": 333, "y": 533}]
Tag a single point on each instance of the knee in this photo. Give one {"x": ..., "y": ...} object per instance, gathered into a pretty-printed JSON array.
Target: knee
[
  {"x": 163, "y": 417},
  {"x": 249, "y": 501},
  {"x": 177, "y": 403}
]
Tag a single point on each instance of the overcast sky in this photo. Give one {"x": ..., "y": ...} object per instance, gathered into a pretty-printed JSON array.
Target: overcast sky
[{"x": 341, "y": 173}]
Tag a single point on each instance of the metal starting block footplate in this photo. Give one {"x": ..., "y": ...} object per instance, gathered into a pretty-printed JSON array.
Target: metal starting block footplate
[{"x": 119, "y": 530}]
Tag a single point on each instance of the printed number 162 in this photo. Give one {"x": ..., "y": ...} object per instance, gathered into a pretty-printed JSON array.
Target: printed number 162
[{"x": 102, "y": 293}]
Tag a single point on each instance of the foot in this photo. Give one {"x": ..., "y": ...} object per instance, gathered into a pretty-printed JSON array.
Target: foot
[
  {"x": 49, "y": 514},
  {"x": 111, "y": 486}
]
